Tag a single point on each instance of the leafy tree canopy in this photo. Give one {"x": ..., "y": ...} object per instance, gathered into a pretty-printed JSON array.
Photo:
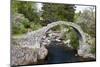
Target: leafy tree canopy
[{"x": 55, "y": 12}]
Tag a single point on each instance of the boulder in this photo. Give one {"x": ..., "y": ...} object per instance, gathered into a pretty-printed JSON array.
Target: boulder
[
  {"x": 22, "y": 55},
  {"x": 25, "y": 55},
  {"x": 84, "y": 51},
  {"x": 42, "y": 53}
]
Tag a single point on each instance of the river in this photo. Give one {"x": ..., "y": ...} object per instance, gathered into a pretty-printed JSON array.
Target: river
[{"x": 58, "y": 53}]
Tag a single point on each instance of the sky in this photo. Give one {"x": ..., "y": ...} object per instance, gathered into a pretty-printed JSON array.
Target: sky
[{"x": 78, "y": 7}]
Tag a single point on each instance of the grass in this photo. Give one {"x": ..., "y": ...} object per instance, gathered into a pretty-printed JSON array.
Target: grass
[{"x": 16, "y": 36}]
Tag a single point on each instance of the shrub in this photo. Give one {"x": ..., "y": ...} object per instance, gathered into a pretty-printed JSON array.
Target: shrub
[
  {"x": 86, "y": 20},
  {"x": 72, "y": 35},
  {"x": 93, "y": 50},
  {"x": 74, "y": 39},
  {"x": 19, "y": 24},
  {"x": 18, "y": 29},
  {"x": 35, "y": 26}
]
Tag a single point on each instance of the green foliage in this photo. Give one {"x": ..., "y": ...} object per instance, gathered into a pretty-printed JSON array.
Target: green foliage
[
  {"x": 14, "y": 6},
  {"x": 18, "y": 29},
  {"x": 76, "y": 16},
  {"x": 92, "y": 42},
  {"x": 19, "y": 23},
  {"x": 35, "y": 26},
  {"x": 24, "y": 16},
  {"x": 73, "y": 36},
  {"x": 74, "y": 39},
  {"x": 25, "y": 7},
  {"x": 93, "y": 50},
  {"x": 55, "y": 12},
  {"x": 86, "y": 20}
]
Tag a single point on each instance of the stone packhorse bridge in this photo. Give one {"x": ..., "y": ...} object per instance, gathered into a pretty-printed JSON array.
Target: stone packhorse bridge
[{"x": 33, "y": 39}]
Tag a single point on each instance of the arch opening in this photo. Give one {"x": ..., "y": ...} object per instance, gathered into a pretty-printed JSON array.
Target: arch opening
[{"x": 72, "y": 25}]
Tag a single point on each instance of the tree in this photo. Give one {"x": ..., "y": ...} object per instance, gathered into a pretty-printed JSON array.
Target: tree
[
  {"x": 14, "y": 6},
  {"x": 54, "y": 12},
  {"x": 87, "y": 21},
  {"x": 27, "y": 8},
  {"x": 76, "y": 16},
  {"x": 24, "y": 15},
  {"x": 19, "y": 24}
]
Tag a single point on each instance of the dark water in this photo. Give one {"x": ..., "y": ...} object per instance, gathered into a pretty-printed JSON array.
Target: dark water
[{"x": 57, "y": 53}]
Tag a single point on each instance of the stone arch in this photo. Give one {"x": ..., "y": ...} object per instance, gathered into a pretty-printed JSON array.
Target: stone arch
[
  {"x": 33, "y": 39},
  {"x": 84, "y": 48},
  {"x": 76, "y": 27}
]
